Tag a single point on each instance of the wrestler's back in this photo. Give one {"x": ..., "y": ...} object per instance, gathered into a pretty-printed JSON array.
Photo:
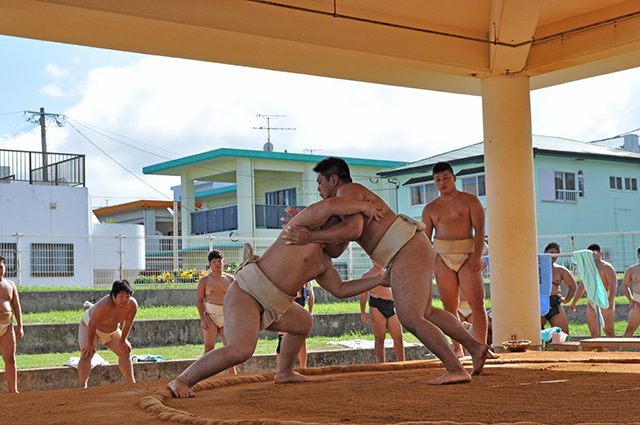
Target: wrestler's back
[{"x": 371, "y": 232}]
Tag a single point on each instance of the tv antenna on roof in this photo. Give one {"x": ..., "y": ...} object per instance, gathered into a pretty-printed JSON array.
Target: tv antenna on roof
[{"x": 268, "y": 146}]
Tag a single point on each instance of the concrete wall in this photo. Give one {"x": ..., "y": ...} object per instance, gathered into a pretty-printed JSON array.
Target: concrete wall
[
  {"x": 66, "y": 377},
  {"x": 44, "y": 301},
  {"x": 63, "y": 338}
]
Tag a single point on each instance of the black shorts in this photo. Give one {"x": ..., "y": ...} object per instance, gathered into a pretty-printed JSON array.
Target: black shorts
[{"x": 385, "y": 307}]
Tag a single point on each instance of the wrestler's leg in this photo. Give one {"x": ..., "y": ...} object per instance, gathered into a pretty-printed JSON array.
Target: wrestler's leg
[
  {"x": 592, "y": 321},
  {"x": 124, "y": 356},
  {"x": 609, "y": 316},
  {"x": 296, "y": 323},
  {"x": 412, "y": 291},
  {"x": 242, "y": 323},
  {"x": 379, "y": 328},
  {"x": 8, "y": 350},
  {"x": 634, "y": 319},
  {"x": 449, "y": 293},
  {"x": 232, "y": 370},
  {"x": 210, "y": 335},
  {"x": 395, "y": 330},
  {"x": 560, "y": 320},
  {"x": 302, "y": 355},
  {"x": 473, "y": 289},
  {"x": 84, "y": 365}
]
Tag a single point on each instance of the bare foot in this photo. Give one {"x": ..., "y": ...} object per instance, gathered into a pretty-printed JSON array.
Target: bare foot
[
  {"x": 180, "y": 389},
  {"x": 292, "y": 377},
  {"x": 459, "y": 377},
  {"x": 459, "y": 353},
  {"x": 479, "y": 357}
]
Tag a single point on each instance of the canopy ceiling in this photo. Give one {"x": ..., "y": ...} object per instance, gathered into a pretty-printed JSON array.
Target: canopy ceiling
[{"x": 432, "y": 44}]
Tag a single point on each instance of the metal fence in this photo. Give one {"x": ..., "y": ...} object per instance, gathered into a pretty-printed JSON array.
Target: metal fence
[
  {"x": 34, "y": 167},
  {"x": 96, "y": 261}
]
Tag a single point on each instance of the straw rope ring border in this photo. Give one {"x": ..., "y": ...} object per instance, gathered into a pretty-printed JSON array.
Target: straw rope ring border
[{"x": 154, "y": 404}]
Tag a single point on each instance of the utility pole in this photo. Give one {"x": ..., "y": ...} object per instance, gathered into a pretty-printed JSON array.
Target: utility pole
[
  {"x": 43, "y": 135},
  {"x": 269, "y": 128},
  {"x": 40, "y": 117}
]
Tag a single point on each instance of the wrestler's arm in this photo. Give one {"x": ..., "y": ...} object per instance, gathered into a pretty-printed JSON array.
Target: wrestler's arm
[
  {"x": 626, "y": 285},
  {"x": 363, "y": 304},
  {"x": 426, "y": 219},
  {"x": 17, "y": 312},
  {"x": 610, "y": 275},
  {"x": 571, "y": 284},
  {"x": 579, "y": 294},
  {"x": 317, "y": 214},
  {"x": 476, "y": 212},
  {"x": 126, "y": 327},
  {"x": 205, "y": 321},
  {"x": 312, "y": 299},
  {"x": 332, "y": 282}
]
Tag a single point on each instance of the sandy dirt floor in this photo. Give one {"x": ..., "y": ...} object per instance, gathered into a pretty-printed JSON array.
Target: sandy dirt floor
[{"x": 532, "y": 387}]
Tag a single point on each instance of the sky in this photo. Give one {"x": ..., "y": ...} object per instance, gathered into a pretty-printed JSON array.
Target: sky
[{"x": 126, "y": 111}]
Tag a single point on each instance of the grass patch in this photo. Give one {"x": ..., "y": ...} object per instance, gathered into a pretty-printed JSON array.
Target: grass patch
[{"x": 264, "y": 346}]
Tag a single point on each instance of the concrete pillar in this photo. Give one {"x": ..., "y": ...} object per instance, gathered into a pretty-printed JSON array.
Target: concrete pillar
[
  {"x": 187, "y": 202},
  {"x": 511, "y": 212},
  {"x": 246, "y": 197}
]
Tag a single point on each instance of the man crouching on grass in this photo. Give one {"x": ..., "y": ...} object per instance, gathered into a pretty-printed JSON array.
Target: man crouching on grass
[
  {"x": 262, "y": 294},
  {"x": 101, "y": 323}
]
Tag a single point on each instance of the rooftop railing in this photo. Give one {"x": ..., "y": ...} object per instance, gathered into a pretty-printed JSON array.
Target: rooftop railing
[{"x": 59, "y": 169}]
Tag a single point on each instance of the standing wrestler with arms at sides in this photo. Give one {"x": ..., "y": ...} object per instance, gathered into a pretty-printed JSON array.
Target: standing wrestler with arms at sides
[
  {"x": 9, "y": 307},
  {"x": 398, "y": 244},
  {"x": 382, "y": 316},
  {"x": 210, "y": 295},
  {"x": 632, "y": 276},
  {"x": 262, "y": 297},
  {"x": 556, "y": 315},
  {"x": 458, "y": 220},
  {"x": 101, "y": 323}
]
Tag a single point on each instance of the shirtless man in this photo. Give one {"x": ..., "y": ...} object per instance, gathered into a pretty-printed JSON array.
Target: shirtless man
[
  {"x": 556, "y": 315},
  {"x": 398, "y": 244},
  {"x": 632, "y": 275},
  {"x": 262, "y": 294},
  {"x": 382, "y": 316},
  {"x": 211, "y": 291},
  {"x": 458, "y": 220},
  {"x": 100, "y": 323},
  {"x": 610, "y": 281},
  {"x": 9, "y": 307}
]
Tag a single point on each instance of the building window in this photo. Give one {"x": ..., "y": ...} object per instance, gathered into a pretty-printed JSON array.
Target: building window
[
  {"x": 423, "y": 194},
  {"x": 565, "y": 184},
  {"x": 615, "y": 183},
  {"x": 281, "y": 197},
  {"x": 52, "y": 259},
  {"x": 8, "y": 251},
  {"x": 474, "y": 185},
  {"x": 630, "y": 184}
]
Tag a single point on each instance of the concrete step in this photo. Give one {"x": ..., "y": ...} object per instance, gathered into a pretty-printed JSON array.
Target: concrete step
[
  {"x": 63, "y": 338},
  {"x": 67, "y": 377}
]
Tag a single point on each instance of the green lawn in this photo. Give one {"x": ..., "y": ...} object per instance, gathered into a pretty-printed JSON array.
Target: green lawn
[{"x": 194, "y": 351}]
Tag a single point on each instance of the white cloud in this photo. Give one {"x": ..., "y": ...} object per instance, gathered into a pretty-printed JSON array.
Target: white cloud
[
  {"x": 52, "y": 90},
  {"x": 55, "y": 71}
]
